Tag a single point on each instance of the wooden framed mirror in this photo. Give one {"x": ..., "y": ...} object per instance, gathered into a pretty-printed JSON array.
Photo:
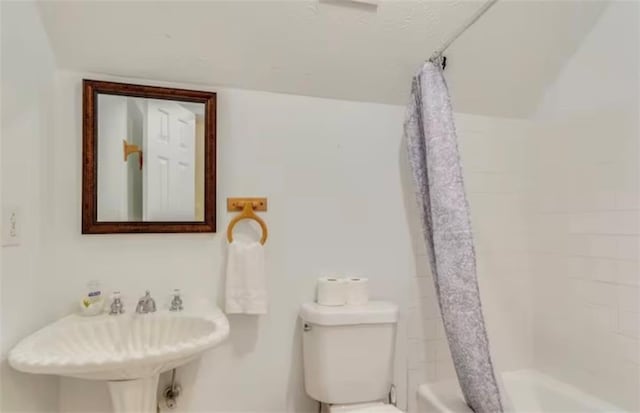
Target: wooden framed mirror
[{"x": 148, "y": 159}]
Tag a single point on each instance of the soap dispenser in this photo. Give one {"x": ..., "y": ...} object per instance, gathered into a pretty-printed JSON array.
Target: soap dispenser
[{"x": 93, "y": 301}]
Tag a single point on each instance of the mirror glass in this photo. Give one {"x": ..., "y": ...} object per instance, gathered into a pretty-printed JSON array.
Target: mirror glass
[{"x": 150, "y": 159}]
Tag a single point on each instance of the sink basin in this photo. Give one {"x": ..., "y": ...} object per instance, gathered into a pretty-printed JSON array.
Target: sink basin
[{"x": 129, "y": 351}]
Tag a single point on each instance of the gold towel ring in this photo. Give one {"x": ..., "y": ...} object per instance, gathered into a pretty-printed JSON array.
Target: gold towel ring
[{"x": 247, "y": 213}]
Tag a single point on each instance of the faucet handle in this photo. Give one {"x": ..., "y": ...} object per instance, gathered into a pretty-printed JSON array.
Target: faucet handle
[
  {"x": 149, "y": 303},
  {"x": 152, "y": 306},
  {"x": 176, "y": 302},
  {"x": 140, "y": 306},
  {"x": 116, "y": 304},
  {"x": 146, "y": 304}
]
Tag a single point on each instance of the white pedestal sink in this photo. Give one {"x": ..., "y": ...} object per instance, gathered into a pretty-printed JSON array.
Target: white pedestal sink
[{"x": 129, "y": 351}]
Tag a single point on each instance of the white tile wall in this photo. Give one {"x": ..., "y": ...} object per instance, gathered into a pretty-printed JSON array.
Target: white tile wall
[
  {"x": 557, "y": 237},
  {"x": 555, "y": 207},
  {"x": 493, "y": 154},
  {"x": 587, "y": 291}
]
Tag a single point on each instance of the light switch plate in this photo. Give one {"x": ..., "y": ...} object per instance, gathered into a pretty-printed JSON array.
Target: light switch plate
[{"x": 11, "y": 226}]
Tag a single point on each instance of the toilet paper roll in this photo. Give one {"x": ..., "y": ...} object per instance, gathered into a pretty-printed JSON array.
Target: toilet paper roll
[
  {"x": 357, "y": 290},
  {"x": 331, "y": 291}
]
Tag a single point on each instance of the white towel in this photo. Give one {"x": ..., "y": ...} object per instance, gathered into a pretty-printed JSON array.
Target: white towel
[{"x": 246, "y": 288}]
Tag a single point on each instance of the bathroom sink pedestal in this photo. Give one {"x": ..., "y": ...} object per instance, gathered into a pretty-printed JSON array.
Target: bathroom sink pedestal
[{"x": 139, "y": 395}]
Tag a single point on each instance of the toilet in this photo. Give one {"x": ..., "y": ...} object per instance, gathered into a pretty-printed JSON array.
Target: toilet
[{"x": 348, "y": 356}]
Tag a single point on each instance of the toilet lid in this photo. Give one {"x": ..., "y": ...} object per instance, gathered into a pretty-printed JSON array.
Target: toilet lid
[{"x": 374, "y": 312}]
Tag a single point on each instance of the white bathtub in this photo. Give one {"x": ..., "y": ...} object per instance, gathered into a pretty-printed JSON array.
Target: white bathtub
[{"x": 523, "y": 390}]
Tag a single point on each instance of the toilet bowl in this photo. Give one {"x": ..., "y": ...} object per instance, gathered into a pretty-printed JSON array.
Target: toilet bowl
[{"x": 348, "y": 355}]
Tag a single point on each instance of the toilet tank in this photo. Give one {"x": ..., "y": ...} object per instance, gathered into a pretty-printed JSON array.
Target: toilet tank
[{"x": 348, "y": 351}]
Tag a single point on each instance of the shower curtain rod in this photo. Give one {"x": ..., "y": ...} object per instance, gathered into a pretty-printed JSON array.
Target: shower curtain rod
[{"x": 482, "y": 10}]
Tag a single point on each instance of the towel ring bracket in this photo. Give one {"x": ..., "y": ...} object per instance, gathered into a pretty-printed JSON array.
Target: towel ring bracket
[{"x": 248, "y": 206}]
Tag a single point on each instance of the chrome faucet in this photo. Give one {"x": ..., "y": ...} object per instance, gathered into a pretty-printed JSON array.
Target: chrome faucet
[
  {"x": 146, "y": 304},
  {"x": 116, "y": 304},
  {"x": 176, "y": 302}
]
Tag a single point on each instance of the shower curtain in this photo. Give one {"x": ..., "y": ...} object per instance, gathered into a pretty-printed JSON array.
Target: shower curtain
[{"x": 435, "y": 165}]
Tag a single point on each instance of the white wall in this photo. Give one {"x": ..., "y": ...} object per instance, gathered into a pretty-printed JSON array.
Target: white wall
[
  {"x": 27, "y": 79},
  {"x": 330, "y": 171},
  {"x": 113, "y": 185},
  {"x": 134, "y": 173},
  {"x": 494, "y": 155},
  {"x": 585, "y": 214}
]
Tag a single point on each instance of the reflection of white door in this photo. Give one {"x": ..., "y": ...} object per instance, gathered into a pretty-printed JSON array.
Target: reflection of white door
[{"x": 169, "y": 162}]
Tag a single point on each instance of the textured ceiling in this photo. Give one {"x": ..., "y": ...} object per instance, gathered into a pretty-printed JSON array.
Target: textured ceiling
[{"x": 327, "y": 48}]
